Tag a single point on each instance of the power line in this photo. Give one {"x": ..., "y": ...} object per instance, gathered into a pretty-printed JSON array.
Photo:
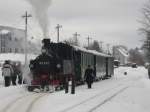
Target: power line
[
  {"x": 101, "y": 44},
  {"x": 88, "y": 38}
]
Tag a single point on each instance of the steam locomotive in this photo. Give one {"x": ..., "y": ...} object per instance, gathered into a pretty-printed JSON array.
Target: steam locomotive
[{"x": 59, "y": 61}]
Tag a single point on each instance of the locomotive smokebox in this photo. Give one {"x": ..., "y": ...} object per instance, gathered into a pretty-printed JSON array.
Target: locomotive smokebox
[{"x": 46, "y": 42}]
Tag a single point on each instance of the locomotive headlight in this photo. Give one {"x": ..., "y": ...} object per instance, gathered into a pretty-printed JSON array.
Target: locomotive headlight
[{"x": 58, "y": 66}]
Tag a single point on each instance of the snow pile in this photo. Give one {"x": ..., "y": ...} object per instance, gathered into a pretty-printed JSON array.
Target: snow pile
[{"x": 4, "y": 31}]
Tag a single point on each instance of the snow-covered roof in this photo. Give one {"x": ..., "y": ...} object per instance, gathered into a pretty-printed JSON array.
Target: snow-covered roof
[
  {"x": 4, "y": 31},
  {"x": 90, "y": 51},
  {"x": 123, "y": 52}
]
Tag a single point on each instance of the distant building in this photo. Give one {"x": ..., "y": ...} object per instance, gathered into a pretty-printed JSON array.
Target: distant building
[
  {"x": 12, "y": 40},
  {"x": 120, "y": 54}
]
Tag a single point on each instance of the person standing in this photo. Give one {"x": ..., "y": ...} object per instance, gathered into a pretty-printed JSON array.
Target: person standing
[
  {"x": 14, "y": 75},
  {"x": 7, "y": 72},
  {"x": 148, "y": 71},
  {"x": 19, "y": 72},
  {"x": 89, "y": 76}
]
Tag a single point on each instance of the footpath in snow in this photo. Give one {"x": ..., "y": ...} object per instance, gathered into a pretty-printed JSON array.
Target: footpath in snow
[{"x": 121, "y": 93}]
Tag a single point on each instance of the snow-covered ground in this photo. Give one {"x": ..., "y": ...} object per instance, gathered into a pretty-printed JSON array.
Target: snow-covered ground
[{"x": 121, "y": 93}]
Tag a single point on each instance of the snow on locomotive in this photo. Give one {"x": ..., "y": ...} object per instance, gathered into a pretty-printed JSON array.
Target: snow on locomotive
[{"x": 59, "y": 61}]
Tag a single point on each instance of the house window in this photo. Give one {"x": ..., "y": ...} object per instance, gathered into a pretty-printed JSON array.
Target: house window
[
  {"x": 22, "y": 50},
  {"x": 16, "y": 50},
  {"x": 3, "y": 49},
  {"x": 10, "y": 50},
  {"x": 16, "y": 39},
  {"x": 10, "y": 38}
]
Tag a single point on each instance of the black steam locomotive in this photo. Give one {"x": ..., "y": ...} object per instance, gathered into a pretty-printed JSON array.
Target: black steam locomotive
[{"x": 59, "y": 60}]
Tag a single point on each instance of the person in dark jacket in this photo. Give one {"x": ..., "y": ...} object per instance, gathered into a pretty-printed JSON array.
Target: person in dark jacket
[
  {"x": 7, "y": 72},
  {"x": 19, "y": 72},
  {"x": 148, "y": 71},
  {"x": 14, "y": 75},
  {"x": 89, "y": 76}
]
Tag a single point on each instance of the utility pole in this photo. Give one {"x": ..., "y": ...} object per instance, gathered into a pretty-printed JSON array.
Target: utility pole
[
  {"x": 101, "y": 45},
  {"x": 58, "y": 28},
  {"x": 76, "y": 37},
  {"x": 108, "y": 46},
  {"x": 88, "y": 38},
  {"x": 26, "y": 16}
]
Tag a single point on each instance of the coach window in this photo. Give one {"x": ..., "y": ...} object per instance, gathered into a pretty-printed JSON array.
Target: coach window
[
  {"x": 89, "y": 59},
  {"x": 86, "y": 59},
  {"x": 10, "y": 38},
  {"x": 10, "y": 50},
  {"x": 82, "y": 60},
  {"x": 16, "y": 39}
]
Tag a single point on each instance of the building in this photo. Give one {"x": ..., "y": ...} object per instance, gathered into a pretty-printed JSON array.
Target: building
[
  {"x": 121, "y": 54},
  {"x": 12, "y": 41}
]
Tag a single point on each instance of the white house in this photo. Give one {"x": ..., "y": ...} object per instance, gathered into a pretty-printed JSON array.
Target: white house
[
  {"x": 120, "y": 54},
  {"x": 12, "y": 41}
]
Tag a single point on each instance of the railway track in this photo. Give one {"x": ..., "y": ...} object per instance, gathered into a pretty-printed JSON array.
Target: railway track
[
  {"x": 107, "y": 100},
  {"x": 10, "y": 104},
  {"x": 31, "y": 105},
  {"x": 33, "y": 97},
  {"x": 97, "y": 96}
]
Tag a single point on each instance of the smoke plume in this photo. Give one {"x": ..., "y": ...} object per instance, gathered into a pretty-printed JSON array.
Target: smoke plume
[{"x": 41, "y": 10}]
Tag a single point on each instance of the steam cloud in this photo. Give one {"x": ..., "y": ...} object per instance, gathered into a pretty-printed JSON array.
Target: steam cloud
[{"x": 41, "y": 10}]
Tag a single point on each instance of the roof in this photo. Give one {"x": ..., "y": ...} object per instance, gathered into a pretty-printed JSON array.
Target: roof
[
  {"x": 4, "y": 31},
  {"x": 94, "y": 52},
  {"x": 123, "y": 52}
]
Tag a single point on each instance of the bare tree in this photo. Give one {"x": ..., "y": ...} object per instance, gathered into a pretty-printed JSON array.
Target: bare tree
[
  {"x": 136, "y": 56},
  {"x": 72, "y": 41},
  {"x": 95, "y": 46},
  {"x": 146, "y": 17},
  {"x": 146, "y": 28}
]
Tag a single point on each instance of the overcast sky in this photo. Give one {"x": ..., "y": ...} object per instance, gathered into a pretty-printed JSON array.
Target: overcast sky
[{"x": 110, "y": 21}]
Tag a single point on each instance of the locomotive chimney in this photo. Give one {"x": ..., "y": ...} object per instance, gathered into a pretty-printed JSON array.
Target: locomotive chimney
[{"x": 46, "y": 42}]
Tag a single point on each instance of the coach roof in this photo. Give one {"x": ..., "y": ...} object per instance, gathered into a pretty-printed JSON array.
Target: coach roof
[{"x": 94, "y": 52}]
